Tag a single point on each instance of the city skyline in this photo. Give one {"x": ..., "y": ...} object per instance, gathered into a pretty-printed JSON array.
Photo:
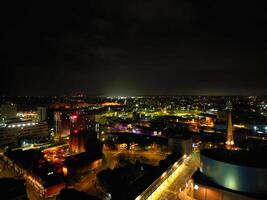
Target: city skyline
[
  {"x": 133, "y": 100},
  {"x": 134, "y": 148}
]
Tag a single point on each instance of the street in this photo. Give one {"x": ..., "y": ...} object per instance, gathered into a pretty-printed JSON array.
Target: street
[{"x": 172, "y": 187}]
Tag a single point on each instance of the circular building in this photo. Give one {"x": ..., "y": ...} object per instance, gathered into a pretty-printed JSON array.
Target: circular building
[{"x": 241, "y": 171}]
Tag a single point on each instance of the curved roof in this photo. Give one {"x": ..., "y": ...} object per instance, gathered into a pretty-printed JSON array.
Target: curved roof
[{"x": 243, "y": 158}]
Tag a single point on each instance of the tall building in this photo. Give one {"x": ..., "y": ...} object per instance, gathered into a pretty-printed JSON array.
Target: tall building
[
  {"x": 66, "y": 121},
  {"x": 77, "y": 142},
  {"x": 83, "y": 121},
  {"x": 230, "y": 137},
  {"x": 41, "y": 112},
  {"x": 58, "y": 125}
]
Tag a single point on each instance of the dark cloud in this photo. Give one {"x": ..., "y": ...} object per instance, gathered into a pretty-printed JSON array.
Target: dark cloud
[{"x": 134, "y": 47}]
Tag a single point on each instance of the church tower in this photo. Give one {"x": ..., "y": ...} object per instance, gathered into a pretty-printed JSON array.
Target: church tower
[{"x": 230, "y": 137}]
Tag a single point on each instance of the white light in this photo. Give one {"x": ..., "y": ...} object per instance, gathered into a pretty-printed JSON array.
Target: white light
[
  {"x": 196, "y": 187},
  {"x": 13, "y": 126},
  {"x": 138, "y": 198},
  {"x": 23, "y": 124},
  {"x": 255, "y": 128},
  {"x": 50, "y": 173},
  {"x": 29, "y": 124},
  {"x": 164, "y": 174}
]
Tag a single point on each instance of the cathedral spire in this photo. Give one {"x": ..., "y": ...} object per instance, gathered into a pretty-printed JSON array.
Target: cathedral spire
[{"x": 230, "y": 137}]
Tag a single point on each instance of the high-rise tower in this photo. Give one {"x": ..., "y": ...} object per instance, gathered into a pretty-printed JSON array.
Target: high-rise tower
[{"x": 230, "y": 137}]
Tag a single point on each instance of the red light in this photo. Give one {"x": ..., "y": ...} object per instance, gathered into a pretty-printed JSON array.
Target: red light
[
  {"x": 73, "y": 117},
  {"x": 76, "y": 131}
]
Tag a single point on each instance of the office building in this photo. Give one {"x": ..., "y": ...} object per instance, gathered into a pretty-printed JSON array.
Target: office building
[
  {"x": 14, "y": 133},
  {"x": 41, "y": 112}
]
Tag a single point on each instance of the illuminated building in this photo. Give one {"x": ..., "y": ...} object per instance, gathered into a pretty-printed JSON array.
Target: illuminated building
[
  {"x": 66, "y": 121},
  {"x": 82, "y": 122},
  {"x": 58, "y": 124},
  {"x": 230, "y": 137},
  {"x": 41, "y": 112},
  {"x": 27, "y": 116},
  {"x": 229, "y": 173},
  {"x": 204, "y": 192},
  {"x": 39, "y": 173},
  {"x": 80, "y": 164},
  {"x": 81, "y": 127},
  {"x": 77, "y": 142},
  {"x": 15, "y": 131}
]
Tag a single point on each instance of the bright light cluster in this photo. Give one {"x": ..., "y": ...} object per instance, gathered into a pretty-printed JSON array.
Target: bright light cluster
[{"x": 22, "y": 125}]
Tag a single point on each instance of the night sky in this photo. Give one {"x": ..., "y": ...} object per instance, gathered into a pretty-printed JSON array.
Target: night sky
[{"x": 133, "y": 47}]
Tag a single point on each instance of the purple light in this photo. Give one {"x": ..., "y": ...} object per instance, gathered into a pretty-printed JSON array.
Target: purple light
[{"x": 136, "y": 131}]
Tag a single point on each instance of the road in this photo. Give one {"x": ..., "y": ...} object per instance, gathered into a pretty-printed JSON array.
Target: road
[
  {"x": 174, "y": 184},
  {"x": 173, "y": 188}
]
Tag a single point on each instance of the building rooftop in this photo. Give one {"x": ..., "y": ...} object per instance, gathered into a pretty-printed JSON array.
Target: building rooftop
[
  {"x": 80, "y": 160},
  {"x": 180, "y": 132},
  {"x": 34, "y": 163},
  {"x": 246, "y": 158}
]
